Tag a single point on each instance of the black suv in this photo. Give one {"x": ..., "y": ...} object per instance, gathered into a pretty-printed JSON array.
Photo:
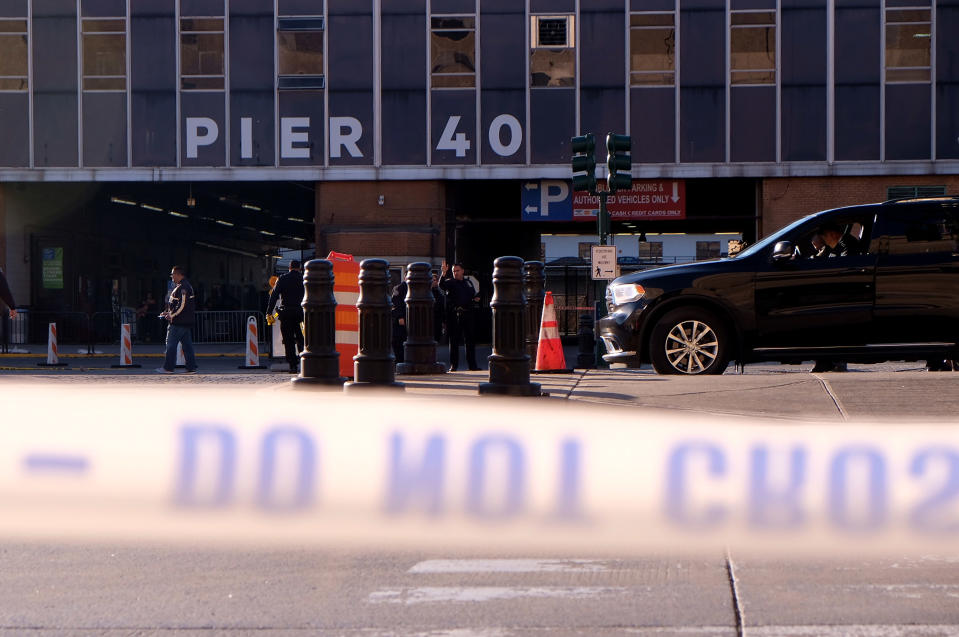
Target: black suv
[{"x": 889, "y": 290}]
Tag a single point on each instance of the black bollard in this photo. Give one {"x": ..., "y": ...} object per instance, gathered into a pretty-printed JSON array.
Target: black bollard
[
  {"x": 319, "y": 361},
  {"x": 419, "y": 351},
  {"x": 373, "y": 367},
  {"x": 509, "y": 363},
  {"x": 586, "y": 358},
  {"x": 534, "y": 284}
]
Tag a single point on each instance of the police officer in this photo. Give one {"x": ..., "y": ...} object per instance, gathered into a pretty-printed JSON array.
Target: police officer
[
  {"x": 288, "y": 291},
  {"x": 461, "y": 296}
]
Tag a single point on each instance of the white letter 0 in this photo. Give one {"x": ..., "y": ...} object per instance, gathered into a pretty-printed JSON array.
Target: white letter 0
[{"x": 515, "y": 135}]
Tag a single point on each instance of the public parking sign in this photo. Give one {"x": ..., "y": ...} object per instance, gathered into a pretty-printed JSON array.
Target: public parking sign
[{"x": 603, "y": 263}]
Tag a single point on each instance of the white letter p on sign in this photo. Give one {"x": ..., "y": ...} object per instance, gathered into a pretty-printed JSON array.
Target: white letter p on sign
[{"x": 193, "y": 137}]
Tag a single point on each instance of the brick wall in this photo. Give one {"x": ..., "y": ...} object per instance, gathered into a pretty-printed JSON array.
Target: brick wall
[
  {"x": 787, "y": 199},
  {"x": 410, "y": 222}
]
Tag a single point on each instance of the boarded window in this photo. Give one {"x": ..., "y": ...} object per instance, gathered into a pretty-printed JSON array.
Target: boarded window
[
  {"x": 201, "y": 54},
  {"x": 299, "y": 43},
  {"x": 908, "y": 45},
  {"x": 104, "y": 54},
  {"x": 13, "y": 55},
  {"x": 752, "y": 47},
  {"x": 652, "y": 49},
  {"x": 552, "y": 60},
  {"x": 453, "y": 51}
]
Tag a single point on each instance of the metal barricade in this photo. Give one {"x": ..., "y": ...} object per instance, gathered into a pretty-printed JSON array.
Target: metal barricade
[
  {"x": 73, "y": 328},
  {"x": 219, "y": 326}
]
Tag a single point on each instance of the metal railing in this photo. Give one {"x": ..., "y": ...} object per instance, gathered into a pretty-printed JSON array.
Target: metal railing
[{"x": 31, "y": 327}]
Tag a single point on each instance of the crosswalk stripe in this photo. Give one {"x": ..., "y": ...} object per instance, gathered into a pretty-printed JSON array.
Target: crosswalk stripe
[
  {"x": 522, "y": 565},
  {"x": 442, "y": 594}
]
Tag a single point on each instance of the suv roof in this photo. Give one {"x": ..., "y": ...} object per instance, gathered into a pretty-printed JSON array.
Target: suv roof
[{"x": 939, "y": 198}]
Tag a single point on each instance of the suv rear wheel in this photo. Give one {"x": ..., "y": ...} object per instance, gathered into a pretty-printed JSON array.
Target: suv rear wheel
[{"x": 689, "y": 341}]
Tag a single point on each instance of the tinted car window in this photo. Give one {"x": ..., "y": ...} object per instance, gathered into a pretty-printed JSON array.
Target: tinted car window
[{"x": 921, "y": 230}]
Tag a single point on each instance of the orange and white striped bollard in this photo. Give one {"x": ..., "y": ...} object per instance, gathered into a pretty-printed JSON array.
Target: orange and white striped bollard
[
  {"x": 53, "y": 358},
  {"x": 126, "y": 348},
  {"x": 252, "y": 346}
]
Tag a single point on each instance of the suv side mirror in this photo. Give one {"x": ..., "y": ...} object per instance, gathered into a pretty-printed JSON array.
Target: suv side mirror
[{"x": 783, "y": 251}]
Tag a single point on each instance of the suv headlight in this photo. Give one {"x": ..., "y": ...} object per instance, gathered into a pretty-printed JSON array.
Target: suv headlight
[{"x": 626, "y": 292}]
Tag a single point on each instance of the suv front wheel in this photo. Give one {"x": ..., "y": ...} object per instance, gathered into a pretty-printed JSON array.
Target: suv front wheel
[{"x": 689, "y": 341}]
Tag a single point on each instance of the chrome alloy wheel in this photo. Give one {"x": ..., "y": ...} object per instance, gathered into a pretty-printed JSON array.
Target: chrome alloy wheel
[{"x": 691, "y": 346}]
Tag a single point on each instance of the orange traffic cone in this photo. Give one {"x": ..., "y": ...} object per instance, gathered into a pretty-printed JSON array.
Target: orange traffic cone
[{"x": 549, "y": 353}]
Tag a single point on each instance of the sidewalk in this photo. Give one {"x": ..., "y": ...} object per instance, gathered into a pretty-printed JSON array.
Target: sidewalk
[{"x": 895, "y": 390}]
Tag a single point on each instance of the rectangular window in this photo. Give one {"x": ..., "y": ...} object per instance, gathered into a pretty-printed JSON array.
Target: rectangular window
[
  {"x": 299, "y": 44},
  {"x": 707, "y": 250},
  {"x": 453, "y": 51},
  {"x": 201, "y": 54},
  {"x": 652, "y": 49},
  {"x": 913, "y": 192},
  {"x": 908, "y": 45},
  {"x": 651, "y": 251},
  {"x": 104, "y": 54},
  {"x": 585, "y": 250},
  {"x": 752, "y": 47},
  {"x": 552, "y": 60},
  {"x": 13, "y": 55}
]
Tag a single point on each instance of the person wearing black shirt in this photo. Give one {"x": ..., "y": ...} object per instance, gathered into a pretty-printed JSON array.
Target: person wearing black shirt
[
  {"x": 180, "y": 311},
  {"x": 288, "y": 292},
  {"x": 838, "y": 244},
  {"x": 460, "y": 321},
  {"x": 398, "y": 313}
]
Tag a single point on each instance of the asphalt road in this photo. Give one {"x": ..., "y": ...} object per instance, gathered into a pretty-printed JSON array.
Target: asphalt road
[{"x": 148, "y": 589}]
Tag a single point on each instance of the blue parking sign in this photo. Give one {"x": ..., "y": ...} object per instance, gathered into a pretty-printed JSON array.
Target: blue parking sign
[{"x": 547, "y": 200}]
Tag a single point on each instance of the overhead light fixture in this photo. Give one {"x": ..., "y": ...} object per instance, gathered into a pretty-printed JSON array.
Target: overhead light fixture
[
  {"x": 213, "y": 246},
  {"x": 190, "y": 201},
  {"x": 224, "y": 223},
  {"x": 299, "y": 238},
  {"x": 178, "y": 214},
  {"x": 296, "y": 219},
  {"x": 250, "y": 206},
  {"x": 125, "y": 202},
  {"x": 149, "y": 207},
  {"x": 268, "y": 233}
]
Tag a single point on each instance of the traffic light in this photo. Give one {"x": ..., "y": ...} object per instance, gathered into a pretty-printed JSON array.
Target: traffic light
[
  {"x": 619, "y": 162},
  {"x": 584, "y": 162}
]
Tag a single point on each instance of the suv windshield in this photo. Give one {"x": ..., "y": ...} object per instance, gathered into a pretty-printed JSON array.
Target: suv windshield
[{"x": 768, "y": 240}]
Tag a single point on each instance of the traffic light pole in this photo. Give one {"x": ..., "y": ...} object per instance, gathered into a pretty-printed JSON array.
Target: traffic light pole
[{"x": 602, "y": 221}]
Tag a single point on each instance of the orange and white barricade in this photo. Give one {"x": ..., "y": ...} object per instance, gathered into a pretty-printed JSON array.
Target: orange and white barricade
[
  {"x": 252, "y": 346},
  {"x": 346, "y": 291},
  {"x": 126, "y": 348},
  {"x": 549, "y": 353},
  {"x": 53, "y": 357}
]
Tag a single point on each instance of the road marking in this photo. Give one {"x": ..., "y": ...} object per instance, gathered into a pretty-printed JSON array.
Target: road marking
[
  {"x": 510, "y": 566},
  {"x": 443, "y": 594},
  {"x": 855, "y": 630}
]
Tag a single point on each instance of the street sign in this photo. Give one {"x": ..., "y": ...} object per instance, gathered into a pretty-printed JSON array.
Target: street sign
[
  {"x": 603, "y": 263},
  {"x": 645, "y": 199},
  {"x": 546, "y": 200}
]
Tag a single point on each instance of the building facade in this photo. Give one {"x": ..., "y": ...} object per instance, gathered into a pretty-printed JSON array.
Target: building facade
[{"x": 418, "y": 129}]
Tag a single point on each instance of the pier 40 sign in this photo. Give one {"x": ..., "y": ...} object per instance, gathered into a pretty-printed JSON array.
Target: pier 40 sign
[{"x": 647, "y": 199}]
